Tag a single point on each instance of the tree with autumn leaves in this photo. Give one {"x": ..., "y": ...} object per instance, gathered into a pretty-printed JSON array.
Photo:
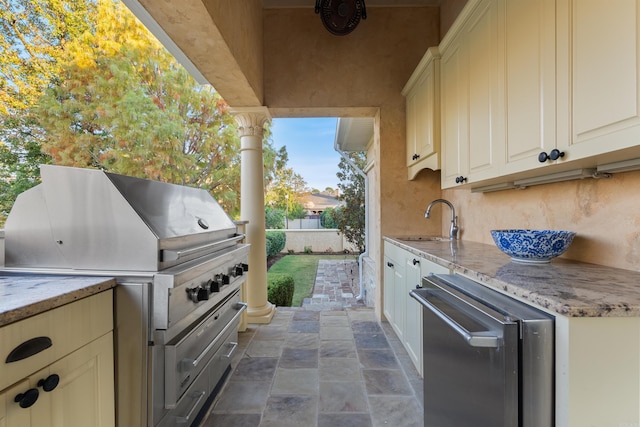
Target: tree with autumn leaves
[{"x": 83, "y": 83}]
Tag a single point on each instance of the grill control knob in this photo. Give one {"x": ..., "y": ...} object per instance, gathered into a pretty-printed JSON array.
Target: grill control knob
[
  {"x": 192, "y": 294},
  {"x": 225, "y": 279},
  {"x": 214, "y": 284},
  {"x": 245, "y": 267},
  {"x": 198, "y": 294},
  {"x": 238, "y": 270},
  {"x": 203, "y": 294}
]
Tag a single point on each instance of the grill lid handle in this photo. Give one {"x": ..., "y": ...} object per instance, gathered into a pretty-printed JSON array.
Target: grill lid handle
[{"x": 174, "y": 255}]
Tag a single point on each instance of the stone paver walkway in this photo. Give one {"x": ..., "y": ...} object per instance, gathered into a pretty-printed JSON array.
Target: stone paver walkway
[{"x": 336, "y": 285}]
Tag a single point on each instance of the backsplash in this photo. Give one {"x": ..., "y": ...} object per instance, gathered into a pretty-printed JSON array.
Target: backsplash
[{"x": 605, "y": 213}]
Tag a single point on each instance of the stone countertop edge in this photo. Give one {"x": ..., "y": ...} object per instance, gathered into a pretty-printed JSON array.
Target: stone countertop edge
[
  {"x": 565, "y": 287},
  {"x": 25, "y": 295}
]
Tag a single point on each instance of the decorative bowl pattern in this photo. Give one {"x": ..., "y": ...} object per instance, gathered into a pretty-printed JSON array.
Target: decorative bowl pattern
[{"x": 532, "y": 246}]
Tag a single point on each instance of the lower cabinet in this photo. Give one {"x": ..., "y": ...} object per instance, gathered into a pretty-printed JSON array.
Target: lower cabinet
[
  {"x": 82, "y": 397},
  {"x": 403, "y": 271},
  {"x": 76, "y": 390}
]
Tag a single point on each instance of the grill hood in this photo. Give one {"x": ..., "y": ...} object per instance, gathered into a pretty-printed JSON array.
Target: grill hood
[{"x": 89, "y": 219}]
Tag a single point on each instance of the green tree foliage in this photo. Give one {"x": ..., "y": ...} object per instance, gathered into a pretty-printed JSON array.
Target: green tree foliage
[
  {"x": 286, "y": 188},
  {"x": 326, "y": 219},
  {"x": 33, "y": 36},
  {"x": 350, "y": 217},
  {"x": 100, "y": 91},
  {"x": 274, "y": 218},
  {"x": 124, "y": 104},
  {"x": 296, "y": 210},
  {"x": 276, "y": 240}
]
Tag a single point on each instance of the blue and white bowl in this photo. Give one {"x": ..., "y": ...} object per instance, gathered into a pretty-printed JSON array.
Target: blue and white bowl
[{"x": 532, "y": 246}]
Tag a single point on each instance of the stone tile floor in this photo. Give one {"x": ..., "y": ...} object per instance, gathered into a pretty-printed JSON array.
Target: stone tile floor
[{"x": 326, "y": 364}]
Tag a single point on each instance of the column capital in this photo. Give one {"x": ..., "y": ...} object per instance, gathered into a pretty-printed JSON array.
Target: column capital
[{"x": 251, "y": 120}]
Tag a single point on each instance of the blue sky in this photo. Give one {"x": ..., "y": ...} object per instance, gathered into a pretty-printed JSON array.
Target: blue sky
[{"x": 309, "y": 142}]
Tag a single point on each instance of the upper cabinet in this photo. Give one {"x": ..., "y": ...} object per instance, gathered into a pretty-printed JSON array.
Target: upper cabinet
[
  {"x": 534, "y": 87},
  {"x": 598, "y": 76},
  {"x": 529, "y": 82},
  {"x": 472, "y": 104},
  {"x": 422, "y": 93}
]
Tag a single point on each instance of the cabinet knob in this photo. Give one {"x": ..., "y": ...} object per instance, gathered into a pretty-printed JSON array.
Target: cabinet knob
[
  {"x": 389, "y": 264},
  {"x": 49, "y": 383},
  {"x": 460, "y": 179},
  {"x": 554, "y": 154},
  {"x": 418, "y": 286},
  {"x": 28, "y": 398},
  {"x": 416, "y": 261},
  {"x": 415, "y": 156}
]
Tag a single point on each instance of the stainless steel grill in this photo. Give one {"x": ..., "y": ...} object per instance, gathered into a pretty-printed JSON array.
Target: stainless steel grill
[{"x": 179, "y": 262}]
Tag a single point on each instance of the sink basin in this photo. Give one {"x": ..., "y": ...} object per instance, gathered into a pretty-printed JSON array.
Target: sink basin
[
  {"x": 532, "y": 246},
  {"x": 422, "y": 239}
]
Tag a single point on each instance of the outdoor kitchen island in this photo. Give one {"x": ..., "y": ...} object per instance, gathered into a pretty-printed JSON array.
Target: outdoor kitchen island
[
  {"x": 57, "y": 350},
  {"x": 597, "y": 323}
]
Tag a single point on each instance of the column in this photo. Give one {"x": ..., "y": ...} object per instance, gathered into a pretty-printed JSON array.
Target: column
[{"x": 251, "y": 121}]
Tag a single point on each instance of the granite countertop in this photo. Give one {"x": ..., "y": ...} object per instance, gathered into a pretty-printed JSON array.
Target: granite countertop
[
  {"x": 23, "y": 295},
  {"x": 566, "y": 287}
]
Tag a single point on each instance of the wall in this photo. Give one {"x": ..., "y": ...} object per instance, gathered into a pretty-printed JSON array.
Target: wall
[
  {"x": 325, "y": 240},
  {"x": 320, "y": 74},
  {"x": 605, "y": 213},
  {"x": 449, "y": 11}
]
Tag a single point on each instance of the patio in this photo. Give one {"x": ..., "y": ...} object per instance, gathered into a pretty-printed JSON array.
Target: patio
[{"x": 327, "y": 363}]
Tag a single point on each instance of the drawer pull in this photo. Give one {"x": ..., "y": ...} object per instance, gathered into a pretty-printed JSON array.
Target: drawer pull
[
  {"x": 233, "y": 346},
  {"x": 197, "y": 395},
  {"x": 29, "y": 348},
  {"x": 28, "y": 398}
]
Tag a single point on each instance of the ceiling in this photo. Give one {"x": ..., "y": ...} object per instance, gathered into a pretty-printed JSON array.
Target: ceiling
[
  {"x": 353, "y": 134},
  {"x": 277, "y": 4}
]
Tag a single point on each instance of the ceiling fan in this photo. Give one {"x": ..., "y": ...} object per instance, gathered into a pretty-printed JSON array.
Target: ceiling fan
[{"x": 340, "y": 17}]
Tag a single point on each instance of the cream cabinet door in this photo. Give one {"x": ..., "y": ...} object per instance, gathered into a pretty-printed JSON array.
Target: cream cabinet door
[
  {"x": 422, "y": 93},
  {"x": 473, "y": 121},
  {"x": 415, "y": 269},
  {"x": 11, "y": 414},
  {"x": 455, "y": 111},
  {"x": 394, "y": 277},
  {"x": 530, "y": 82},
  {"x": 84, "y": 395},
  {"x": 413, "y": 319},
  {"x": 388, "y": 303},
  {"x": 599, "y": 76},
  {"x": 486, "y": 104},
  {"x": 399, "y": 299}
]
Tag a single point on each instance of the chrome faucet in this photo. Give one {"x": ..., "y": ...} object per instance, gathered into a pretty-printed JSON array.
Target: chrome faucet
[{"x": 453, "y": 232}]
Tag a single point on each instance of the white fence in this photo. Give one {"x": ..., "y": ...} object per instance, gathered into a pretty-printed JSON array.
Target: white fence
[
  {"x": 322, "y": 240},
  {"x": 304, "y": 223}
]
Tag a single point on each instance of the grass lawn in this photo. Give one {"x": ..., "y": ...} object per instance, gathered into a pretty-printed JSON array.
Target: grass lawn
[{"x": 303, "y": 269}]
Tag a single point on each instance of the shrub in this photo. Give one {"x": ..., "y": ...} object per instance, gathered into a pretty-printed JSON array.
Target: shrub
[
  {"x": 275, "y": 242},
  {"x": 308, "y": 249},
  {"x": 274, "y": 218},
  {"x": 326, "y": 219},
  {"x": 280, "y": 289}
]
